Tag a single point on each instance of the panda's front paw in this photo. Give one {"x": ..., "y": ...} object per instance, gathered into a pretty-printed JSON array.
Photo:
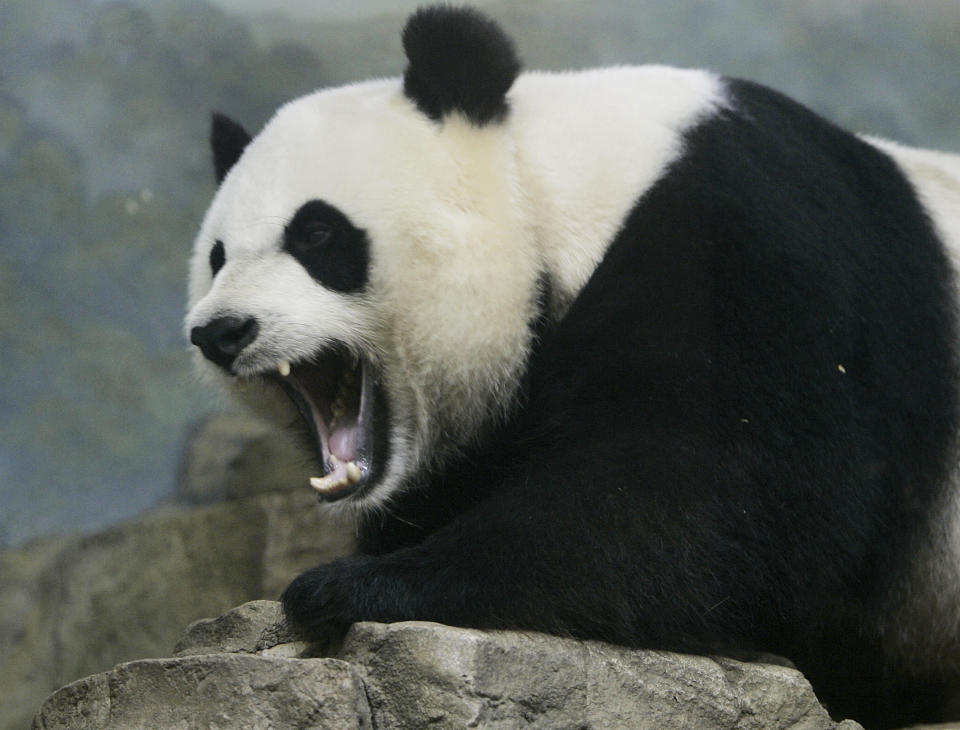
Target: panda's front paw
[{"x": 322, "y": 602}]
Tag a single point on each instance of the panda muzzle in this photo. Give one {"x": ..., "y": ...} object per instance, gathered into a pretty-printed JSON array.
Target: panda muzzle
[{"x": 334, "y": 393}]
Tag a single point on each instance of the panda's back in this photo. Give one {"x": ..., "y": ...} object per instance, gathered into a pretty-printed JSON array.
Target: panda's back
[
  {"x": 780, "y": 308},
  {"x": 781, "y": 284}
]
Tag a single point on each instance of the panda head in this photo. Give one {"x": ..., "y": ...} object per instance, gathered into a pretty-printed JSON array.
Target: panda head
[{"x": 367, "y": 265}]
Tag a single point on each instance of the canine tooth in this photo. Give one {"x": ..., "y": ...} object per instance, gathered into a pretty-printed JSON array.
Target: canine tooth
[
  {"x": 283, "y": 367},
  {"x": 353, "y": 472},
  {"x": 242, "y": 385},
  {"x": 327, "y": 484}
]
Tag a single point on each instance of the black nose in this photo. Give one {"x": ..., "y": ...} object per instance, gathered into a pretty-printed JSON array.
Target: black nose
[{"x": 223, "y": 338}]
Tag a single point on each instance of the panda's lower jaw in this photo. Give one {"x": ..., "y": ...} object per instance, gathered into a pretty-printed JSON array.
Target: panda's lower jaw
[{"x": 335, "y": 394}]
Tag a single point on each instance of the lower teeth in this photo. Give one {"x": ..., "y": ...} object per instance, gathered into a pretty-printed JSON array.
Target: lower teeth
[
  {"x": 328, "y": 483},
  {"x": 350, "y": 474},
  {"x": 353, "y": 472}
]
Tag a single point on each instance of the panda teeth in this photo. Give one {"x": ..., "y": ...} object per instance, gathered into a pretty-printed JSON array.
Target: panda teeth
[
  {"x": 283, "y": 367},
  {"x": 329, "y": 483},
  {"x": 242, "y": 384},
  {"x": 354, "y": 474},
  {"x": 350, "y": 474}
]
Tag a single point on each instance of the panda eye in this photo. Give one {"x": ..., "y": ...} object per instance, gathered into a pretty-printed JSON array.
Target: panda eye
[
  {"x": 327, "y": 244},
  {"x": 318, "y": 233},
  {"x": 217, "y": 257}
]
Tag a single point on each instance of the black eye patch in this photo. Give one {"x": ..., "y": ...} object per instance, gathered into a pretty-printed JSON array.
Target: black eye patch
[
  {"x": 217, "y": 258},
  {"x": 332, "y": 250}
]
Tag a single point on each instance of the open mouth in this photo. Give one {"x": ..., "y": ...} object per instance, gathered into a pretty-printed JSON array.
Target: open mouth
[{"x": 336, "y": 394}]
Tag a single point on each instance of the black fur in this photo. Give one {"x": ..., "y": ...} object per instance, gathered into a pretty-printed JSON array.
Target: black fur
[
  {"x": 331, "y": 249},
  {"x": 730, "y": 440},
  {"x": 217, "y": 258},
  {"x": 228, "y": 140},
  {"x": 459, "y": 61}
]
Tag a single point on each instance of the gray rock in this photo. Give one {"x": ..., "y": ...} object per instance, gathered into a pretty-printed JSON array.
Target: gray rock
[
  {"x": 226, "y": 691},
  {"x": 420, "y": 674},
  {"x": 254, "y": 626},
  {"x": 415, "y": 675},
  {"x": 234, "y": 455},
  {"x": 71, "y": 607},
  {"x": 81, "y": 705}
]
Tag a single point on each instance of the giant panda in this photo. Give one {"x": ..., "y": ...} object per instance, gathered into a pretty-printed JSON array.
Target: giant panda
[{"x": 639, "y": 354}]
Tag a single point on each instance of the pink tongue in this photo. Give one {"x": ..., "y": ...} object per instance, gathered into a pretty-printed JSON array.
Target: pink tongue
[{"x": 343, "y": 441}]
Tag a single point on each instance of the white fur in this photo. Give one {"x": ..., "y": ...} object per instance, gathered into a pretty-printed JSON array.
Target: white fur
[
  {"x": 462, "y": 222},
  {"x": 590, "y": 143}
]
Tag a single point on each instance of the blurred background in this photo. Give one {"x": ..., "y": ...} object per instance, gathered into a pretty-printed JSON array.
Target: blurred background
[
  {"x": 105, "y": 173},
  {"x": 132, "y": 501}
]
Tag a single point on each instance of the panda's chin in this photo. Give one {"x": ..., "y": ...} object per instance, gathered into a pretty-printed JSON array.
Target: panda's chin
[{"x": 335, "y": 393}]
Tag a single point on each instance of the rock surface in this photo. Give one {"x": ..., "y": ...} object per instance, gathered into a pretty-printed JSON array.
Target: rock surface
[
  {"x": 70, "y": 607},
  {"x": 240, "y": 670},
  {"x": 231, "y": 456},
  {"x": 226, "y": 691}
]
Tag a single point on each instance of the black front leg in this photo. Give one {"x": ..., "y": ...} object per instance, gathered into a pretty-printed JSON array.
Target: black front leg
[
  {"x": 324, "y": 601},
  {"x": 428, "y": 582},
  {"x": 591, "y": 561}
]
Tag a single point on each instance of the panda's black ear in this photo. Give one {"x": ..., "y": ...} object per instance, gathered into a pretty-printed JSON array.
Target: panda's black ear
[
  {"x": 228, "y": 140},
  {"x": 459, "y": 61}
]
